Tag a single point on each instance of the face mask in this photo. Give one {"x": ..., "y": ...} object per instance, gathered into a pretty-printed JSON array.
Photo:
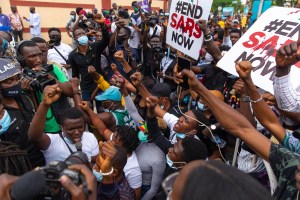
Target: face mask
[
  {"x": 170, "y": 162},
  {"x": 98, "y": 175},
  {"x": 201, "y": 107},
  {"x": 108, "y": 109},
  {"x": 180, "y": 135},
  {"x": 83, "y": 40},
  {"x": 231, "y": 76},
  {"x": 4, "y": 122},
  {"x": 13, "y": 91},
  {"x": 72, "y": 17},
  {"x": 143, "y": 137},
  {"x": 57, "y": 41},
  {"x": 4, "y": 44},
  {"x": 68, "y": 141},
  {"x": 135, "y": 9}
]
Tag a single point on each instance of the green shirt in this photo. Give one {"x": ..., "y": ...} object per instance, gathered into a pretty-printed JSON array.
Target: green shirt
[
  {"x": 51, "y": 125},
  {"x": 123, "y": 118}
]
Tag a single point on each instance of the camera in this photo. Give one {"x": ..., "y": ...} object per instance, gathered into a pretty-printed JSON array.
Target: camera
[
  {"x": 53, "y": 189},
  {"x": 40, "y": 78}
]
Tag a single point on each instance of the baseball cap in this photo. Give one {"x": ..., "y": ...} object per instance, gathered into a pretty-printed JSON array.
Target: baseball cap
[
  {"x": 82, "y": 12},
  {"x": 8, "y": 68},
  {"x": 235, "y": 21},
  {"x": 161, "y": 90},
  {"x": 111, "y": 93}
]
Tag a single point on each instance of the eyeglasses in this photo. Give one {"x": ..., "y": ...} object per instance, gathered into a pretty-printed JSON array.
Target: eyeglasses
[{"x": 168, "y": 183}]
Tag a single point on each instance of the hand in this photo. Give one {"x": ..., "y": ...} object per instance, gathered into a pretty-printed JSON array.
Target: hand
[
  {"x": 91, "y": 69},
  {"x": 51, "y": 94},
  {"x": 92, "y": 33},
  {"x": 75, "y": 83},
  {"x": 6, "y": 182},
  {"x": 114, "y": 69},
  {"x": 151, "y": 102},
  {"x": 129, "y": 52},
  {"x": 193, "y": 81},
  {"x": 243, "y": 68},
  {"x": 120, "y": 24},
  {"x": 119, "y": 56},
  {"x": 85, "y": 106},
  {"x": 239, "y": 87},
  {"x": 159, "y": 74},
  {"x": 228, "y": 24},
  {"x": 108, "y": 152},
  {"x": 136, "y": 78},
  {"x": 203, "y": 26},
  {"x": 25, "y": 83},
  {"x": 76, "y": 191},
  {"x": 100, "y": 21},
  {"x": 31, "y": 26},
  {"x": 120, "y": 81},
  {"x": 288, "y": 55}
]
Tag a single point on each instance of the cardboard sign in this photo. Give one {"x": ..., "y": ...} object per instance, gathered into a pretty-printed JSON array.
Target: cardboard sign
[
  {"x": 183, "y": 33},
  {"x": 275, "y": 28},
  {"x": 144, "y": 5}
]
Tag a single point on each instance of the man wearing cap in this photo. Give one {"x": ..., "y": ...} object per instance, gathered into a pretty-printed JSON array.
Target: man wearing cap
[
  {"x": 114, "y": 113},
  {"x": 20, "y": 110}
]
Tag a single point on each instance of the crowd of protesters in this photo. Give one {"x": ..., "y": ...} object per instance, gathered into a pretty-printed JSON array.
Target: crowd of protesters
[{"x": 114, "y": 105}]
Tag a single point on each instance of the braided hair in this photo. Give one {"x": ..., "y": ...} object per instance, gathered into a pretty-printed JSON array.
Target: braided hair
[{"x": 13, "y": 160}]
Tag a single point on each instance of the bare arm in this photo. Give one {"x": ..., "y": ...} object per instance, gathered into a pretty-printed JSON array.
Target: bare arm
[{"x": 231, "y": 120}]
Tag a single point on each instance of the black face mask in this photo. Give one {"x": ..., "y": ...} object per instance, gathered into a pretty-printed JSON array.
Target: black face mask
[
  {"x": 13, "y": 91},
  {"x": 57, "y": 41}
]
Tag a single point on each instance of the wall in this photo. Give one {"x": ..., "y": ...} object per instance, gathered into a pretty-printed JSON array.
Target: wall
[{"x": 55, "y": 13}]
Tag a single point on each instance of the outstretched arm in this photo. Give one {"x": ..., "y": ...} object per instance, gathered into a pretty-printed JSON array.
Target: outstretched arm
[{"x": 230, "y": 119}]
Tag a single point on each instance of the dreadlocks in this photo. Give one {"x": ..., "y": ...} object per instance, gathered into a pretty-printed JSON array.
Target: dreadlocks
[{"x": 13, "y": 160}]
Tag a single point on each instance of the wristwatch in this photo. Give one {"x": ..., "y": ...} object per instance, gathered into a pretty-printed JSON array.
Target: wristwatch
[{"x": 245, "y": 99}]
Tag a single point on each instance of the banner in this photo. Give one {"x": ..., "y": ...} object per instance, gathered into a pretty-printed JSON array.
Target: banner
[
  {"x": 144, "y": 5},
  {"x": 183, "y": 33},
  {"x": 227, "y": 11},
  {"x": 275, "y": 28}
]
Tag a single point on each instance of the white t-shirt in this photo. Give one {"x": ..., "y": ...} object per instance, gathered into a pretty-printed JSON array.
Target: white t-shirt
[
  {"x": 54, "y": 56},
  {"x": 59, "y": 151},
  {"x": 134, "y": 39},
  {"x": 151, "y": 30},
  {"x": 133, "y": 172}
]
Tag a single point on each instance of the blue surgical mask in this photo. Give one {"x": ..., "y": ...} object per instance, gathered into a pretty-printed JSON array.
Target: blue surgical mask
[
  {"x": 83, "y": 40},
  {"x": 4, "y": 44},
  {"x": 143, "y": 137},
  {"x": 72, "y": 17},
  {"x": 98, "y": 175},
  {"x": 180, "y": 135},
  {"x": 170, "y": 162},
  {"x": 231, "y": 76},
  {"x": 4, "y": 122},
  {"x": 68, "y": 141},
  {"x": 201, "y": 106}
]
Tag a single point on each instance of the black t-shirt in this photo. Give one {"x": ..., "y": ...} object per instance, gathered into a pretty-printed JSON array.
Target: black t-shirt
[{"x": 18, "y": 130}]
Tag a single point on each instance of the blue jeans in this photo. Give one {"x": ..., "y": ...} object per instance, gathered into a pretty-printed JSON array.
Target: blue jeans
[{"x": 136, "y": 53}]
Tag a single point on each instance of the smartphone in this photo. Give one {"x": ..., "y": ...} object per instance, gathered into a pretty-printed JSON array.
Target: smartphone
[{"x": 184, "y": 63}]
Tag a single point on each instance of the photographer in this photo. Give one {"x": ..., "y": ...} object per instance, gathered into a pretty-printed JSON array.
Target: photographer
[
  {"x": 8, "y": 183},
  {"x": 31, "y": 58},
  {"x": 60, "y": 146},
  {"x": 18, "y": 110},
  {"x": 154, "y": 29}
]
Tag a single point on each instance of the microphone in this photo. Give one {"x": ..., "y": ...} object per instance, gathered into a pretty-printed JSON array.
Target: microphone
[
  {"x": 28, "y": 186},
  {"x": 78, "y": 146}
]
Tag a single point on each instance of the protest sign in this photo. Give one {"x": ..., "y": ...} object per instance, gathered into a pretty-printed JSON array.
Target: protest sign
[
  {"x": 183, "y": 33},
  {"x": 144, "y": 5},
  {"x": 227, "y": 11},
  {"x": 275, "y": 28}
]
